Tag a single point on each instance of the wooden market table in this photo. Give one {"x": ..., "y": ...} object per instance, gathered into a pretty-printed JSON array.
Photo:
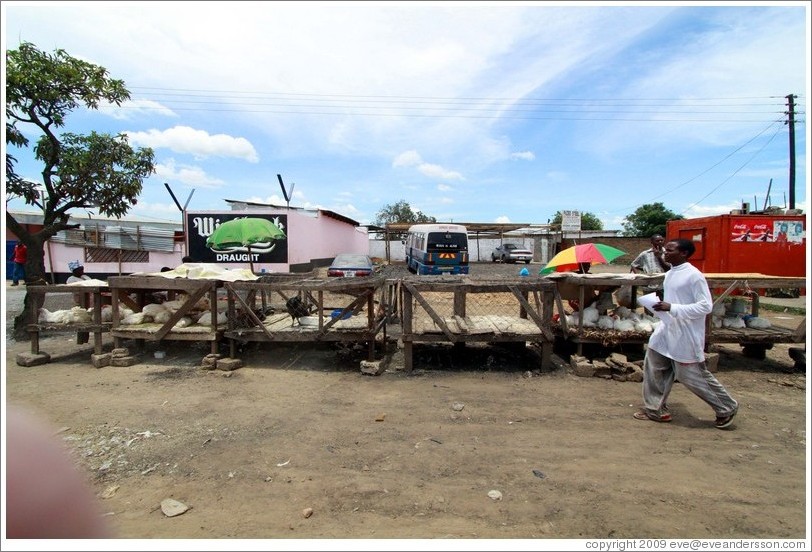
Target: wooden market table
[
  {"x": 337, "y": 309},
  {"x": 458, "y": 309},
  {"x": 722, "y": 286},
  {"x": 86, "y": 297},
  {"x": 137, "y": 291}
]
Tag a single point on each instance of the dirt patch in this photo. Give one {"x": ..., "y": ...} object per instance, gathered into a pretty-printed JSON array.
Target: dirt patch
[{"x": 416, "y": 454}]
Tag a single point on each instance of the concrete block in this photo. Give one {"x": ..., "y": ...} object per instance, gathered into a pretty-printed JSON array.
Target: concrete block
[
  {"x": 602, "y": 370},
  {"x": 102, "y": 360},
  {"x": 228, "y": 364},
  {"x": 635, "y": 376},
  {"x": 373, "y": 367},
  {"x": 31, "y": 359},
  {"x": 577, "y": 359},
  {"x": 583, "y": 369},
  {"x": 123, "y": 360},
  {"x": 617, "y": 358},
  {"x": 209, "y": 362}
]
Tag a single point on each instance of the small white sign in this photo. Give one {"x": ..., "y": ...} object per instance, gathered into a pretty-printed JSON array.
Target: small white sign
[{"x": 571, "y": 221}]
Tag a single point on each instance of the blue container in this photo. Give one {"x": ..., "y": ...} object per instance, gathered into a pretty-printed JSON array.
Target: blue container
[{"x": 337, "y": 312}]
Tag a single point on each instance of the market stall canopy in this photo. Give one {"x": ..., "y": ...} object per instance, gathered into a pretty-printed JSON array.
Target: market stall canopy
[{"x": 571, "y": 258}]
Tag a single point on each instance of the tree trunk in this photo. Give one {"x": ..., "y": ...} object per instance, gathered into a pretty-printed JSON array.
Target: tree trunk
[
  {"x": 21, "y": 321},
  {"x": 34, "y": 275}
]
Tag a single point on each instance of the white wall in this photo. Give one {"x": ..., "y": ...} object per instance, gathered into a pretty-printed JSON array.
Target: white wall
[
  {"x": 478, "y": 249},
  {"x": 58, "y": 255}
]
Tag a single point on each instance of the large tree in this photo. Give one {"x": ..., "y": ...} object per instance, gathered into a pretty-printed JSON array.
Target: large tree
[
  {"x": 78, "y": 171},
  {"x": 401, "y": 212},
  {"x": 648, "y": 220},
  {"x": 588, "y": 221}
]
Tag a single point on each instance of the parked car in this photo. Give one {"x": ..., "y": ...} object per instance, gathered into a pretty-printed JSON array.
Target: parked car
[
  {"x": 350, "y": 265},
  {"x": 511, "y": 253}
]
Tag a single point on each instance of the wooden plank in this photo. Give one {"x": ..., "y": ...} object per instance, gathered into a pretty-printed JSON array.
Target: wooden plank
[
  {"x": 248, "y": 310},
  {"x": 532, "y": 313},
  {"x": 181, "y": 312},
  {"x": 430, "y": 311}
]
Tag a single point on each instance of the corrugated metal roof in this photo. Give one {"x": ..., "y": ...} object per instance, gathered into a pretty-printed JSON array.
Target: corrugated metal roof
[{"x": 238, "y": 204}]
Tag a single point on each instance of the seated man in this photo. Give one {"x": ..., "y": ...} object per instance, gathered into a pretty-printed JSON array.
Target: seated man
[
  {"x": 77, "y": 275},
  {"x": 598, "y": 295},
  {"x": 571, "y": 292}
]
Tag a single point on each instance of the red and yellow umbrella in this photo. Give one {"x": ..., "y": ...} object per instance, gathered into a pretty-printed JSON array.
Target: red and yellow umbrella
[{"x": 572, "y": 257}]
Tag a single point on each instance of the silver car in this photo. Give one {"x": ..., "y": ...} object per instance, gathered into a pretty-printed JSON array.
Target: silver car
[{"x": 511, "y": 253}]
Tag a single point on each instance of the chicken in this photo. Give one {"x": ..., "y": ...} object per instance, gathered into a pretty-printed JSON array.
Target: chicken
[
  {"x": 643, "y": 326},
  {"x": 297, "y": 309},
  {"x": 162, "y": 316},
  {"x": 606, "y": 322},
  {"x": 154, "y": 309},
  {"x": 623, "y": 312},
  {"x": 55, "y": 317},
  {"x": 733, "y": 322},
  {"x": 183, "y": 322},
  {"x": 625, "y": 326},
  {"x": 107, "y": 312},
  {"x": 591, "y": 316},
  {"x": 719, "y": 309},
  {"x": 205, "y": 319},
  {"x": 134, "y": 319},
  {"x": 80, "y": 314},
  {"x": 71, "y": 316},
  {"x": 759, "y": 323}
]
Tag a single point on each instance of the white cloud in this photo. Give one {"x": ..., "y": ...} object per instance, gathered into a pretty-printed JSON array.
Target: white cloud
[
  {"x": 187, "y": 174},
  {"x": 444, "y": 187},
  {"x": 156, "y": 210},
  {"x": 436, "y": 171},
  {"x": 135, "y": 109},
  {"x": 407, "y": 159},
  {"x": 698, "y": 211},
  {"x": 523, "y": 155},
  {"x": 273, "y": 199},
  {"x": 412, "y": 159},
  {"x": 502, "y": 219},
  {"x": 201, "y": 144}
]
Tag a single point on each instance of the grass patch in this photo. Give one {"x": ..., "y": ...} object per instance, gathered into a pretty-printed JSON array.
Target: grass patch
[{"x": 782, "y": 308}]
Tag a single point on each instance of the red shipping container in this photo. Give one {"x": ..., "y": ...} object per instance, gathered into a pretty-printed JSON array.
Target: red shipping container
[{"x": 774, "y": 245}]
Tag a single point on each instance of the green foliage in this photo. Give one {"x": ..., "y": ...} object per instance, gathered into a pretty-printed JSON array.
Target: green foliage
[
  {"x": 401, "y": 212},
  {"x": 98, "y": 170},
  {"x": 588, "y": 221},
  {"x": 648, "y": 219}
]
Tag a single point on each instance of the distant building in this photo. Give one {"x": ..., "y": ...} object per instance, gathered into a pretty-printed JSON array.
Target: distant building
[{"x": 112, "y": 247}]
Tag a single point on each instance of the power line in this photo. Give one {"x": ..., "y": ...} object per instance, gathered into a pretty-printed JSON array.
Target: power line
[
  {"x": 221, "y": 93},
  {"x": 294, "y": 103},
  {"x": 734, "y": 173},
  {"x": 779, "y": 122}
]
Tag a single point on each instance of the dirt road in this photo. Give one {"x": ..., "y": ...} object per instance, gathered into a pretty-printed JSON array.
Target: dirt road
[{"x": 416, "y": 455}]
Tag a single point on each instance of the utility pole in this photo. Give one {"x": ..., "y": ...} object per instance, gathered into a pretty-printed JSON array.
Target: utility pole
[{"x": 791, "y": 123}]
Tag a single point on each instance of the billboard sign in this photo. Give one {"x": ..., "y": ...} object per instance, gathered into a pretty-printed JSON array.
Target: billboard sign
[{"x": 199, "y": 226}]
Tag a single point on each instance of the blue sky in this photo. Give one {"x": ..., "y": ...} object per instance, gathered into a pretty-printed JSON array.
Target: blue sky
[{"x": 470, "y": 112}]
